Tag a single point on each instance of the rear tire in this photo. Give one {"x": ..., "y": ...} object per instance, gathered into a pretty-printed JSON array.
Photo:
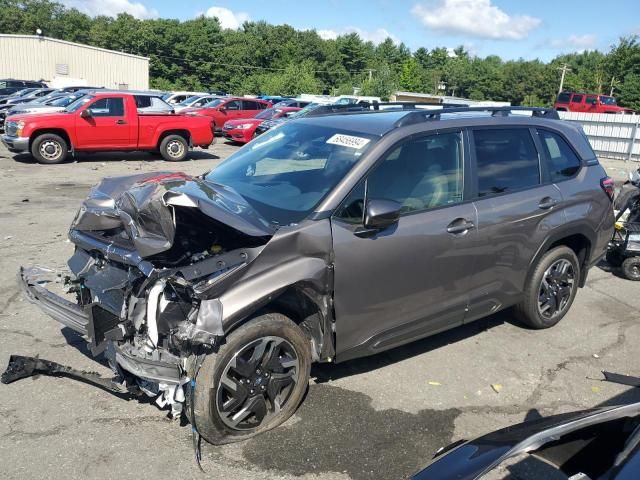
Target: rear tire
[
  {"x": 550, "y": 289},
  {"x": 631, "y": 268},
  {"x": 239, "y": 379},
  {"x": 174, "y": 148},
  {"x": 49, "y": 149}
]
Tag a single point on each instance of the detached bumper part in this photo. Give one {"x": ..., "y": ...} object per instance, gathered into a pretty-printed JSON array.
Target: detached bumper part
[
  {"x": 60, "y": 309},
  {"x": 23, "y": 367}
]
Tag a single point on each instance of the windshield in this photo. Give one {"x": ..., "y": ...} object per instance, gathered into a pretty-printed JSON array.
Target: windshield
[
  {"x": 63, "y": 101},
  {"x": 215, "y": 103},
  {"x": 79, "y": 103},
  {"x": 285, "y": 173},
  {"x": 189, "y": 100},
  {"x": 607, "y": 100},
  {"x": 267, "y": 114}
]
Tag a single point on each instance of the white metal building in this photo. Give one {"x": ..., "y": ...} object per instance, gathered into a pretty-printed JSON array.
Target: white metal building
[{"x": 61, "y": 63}]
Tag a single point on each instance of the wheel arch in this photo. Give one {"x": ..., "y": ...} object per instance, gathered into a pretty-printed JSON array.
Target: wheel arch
[
  {"x": 184, "y": 133},
  {"x": 578, "y": 238},
  {"x": 61, "y": 132},
  {"x": 306, "y": 307}
]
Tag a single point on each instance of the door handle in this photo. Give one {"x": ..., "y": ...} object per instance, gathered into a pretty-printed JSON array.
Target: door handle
[
  {"x": 460, "y": 226},
  {"x": 121, "y": 122},
  {"x": 547, "y": 202}
]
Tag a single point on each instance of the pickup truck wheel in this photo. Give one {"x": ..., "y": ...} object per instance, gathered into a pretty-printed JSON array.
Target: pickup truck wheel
[
  {"x": 255, "y": 382},
  {"x": 174, "y": 148},
  {"x": 550, "y": 290},
  {"x": 49, "y": 148}
]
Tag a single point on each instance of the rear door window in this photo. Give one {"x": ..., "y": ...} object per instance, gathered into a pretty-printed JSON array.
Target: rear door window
[
  {"x": 249, "y": 105},
  {"x": 233, "y": 105},
  {"x": 506, "y": 160},
  {"x": 591, "y": 99},
  {"x": 576, "y": 99},
  {"x": 563, "y": 162}
]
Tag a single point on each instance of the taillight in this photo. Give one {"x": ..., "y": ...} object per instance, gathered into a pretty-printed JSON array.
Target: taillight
[{"x": 608, "y": 184}]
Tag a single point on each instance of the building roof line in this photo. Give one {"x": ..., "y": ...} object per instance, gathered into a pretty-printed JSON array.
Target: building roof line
[{"x": 82, "y": 45}]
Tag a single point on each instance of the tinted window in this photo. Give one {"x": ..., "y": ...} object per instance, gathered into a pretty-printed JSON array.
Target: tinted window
[
  {"x": 233, "y": 105},
  {"x": 506, "y": 160},
  {"x": 142, "y": 101},
  {"x": 420, "y": 174},
  {"x": 108, "y": 107},
  {"x": 563, "y": 161},
  {"x": 576, "y": 99},
  {"x": 249, "y": 105},
  {"x": 591, "y": 99},
  {"x": 564, "y": 97}
]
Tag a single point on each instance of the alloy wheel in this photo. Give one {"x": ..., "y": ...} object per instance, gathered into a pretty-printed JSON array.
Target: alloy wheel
[
  {"x": 257, "y": 383},
  {"x": 556, "y": 288}
]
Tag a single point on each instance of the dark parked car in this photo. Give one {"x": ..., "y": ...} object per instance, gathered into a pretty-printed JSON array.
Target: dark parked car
[
  {"x": 11, "y": 85},
  {"x": 328, "y": 238},
  {"x": 600, "y": 443}
]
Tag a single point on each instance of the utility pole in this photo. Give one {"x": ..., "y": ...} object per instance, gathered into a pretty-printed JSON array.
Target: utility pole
[
  {"x": 565, "y": 68},
  {"x": 370, "y": 75},
  {"x": 613, "y": 79}
]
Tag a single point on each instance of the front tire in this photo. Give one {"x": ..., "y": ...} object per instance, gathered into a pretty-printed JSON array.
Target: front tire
[
  {"x": 631, "y": 268},
  {"x": 255, "y": 382},
  {"x": 550, "y": 289},
  {"x": 174, "y": 148},
  {"x": 49, "y": 149}
]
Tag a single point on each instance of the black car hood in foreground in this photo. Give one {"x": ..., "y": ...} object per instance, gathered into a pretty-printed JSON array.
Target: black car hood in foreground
[
  {"x": 473, "y": 459},
  {"x": 144, "y": 206}
]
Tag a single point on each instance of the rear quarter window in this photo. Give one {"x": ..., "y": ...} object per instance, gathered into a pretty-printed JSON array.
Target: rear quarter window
[
  {"x": 564, "y": 97},
  {"x": 562, "y": 161}
]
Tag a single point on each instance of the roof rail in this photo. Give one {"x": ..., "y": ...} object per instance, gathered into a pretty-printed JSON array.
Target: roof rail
[
  {"x": 421, "y": 116},
  {"x": 377, "y": 107}
]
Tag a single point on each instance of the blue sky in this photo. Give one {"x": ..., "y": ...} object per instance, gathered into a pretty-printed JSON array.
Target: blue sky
[{"x": 509, "y": 28}]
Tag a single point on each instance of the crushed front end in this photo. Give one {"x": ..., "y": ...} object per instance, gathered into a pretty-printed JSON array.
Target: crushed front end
[{"x": 152, "y": 253}]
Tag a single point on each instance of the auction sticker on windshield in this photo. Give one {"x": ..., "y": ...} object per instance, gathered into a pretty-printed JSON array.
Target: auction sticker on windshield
[{"x": 348, "y": 141}]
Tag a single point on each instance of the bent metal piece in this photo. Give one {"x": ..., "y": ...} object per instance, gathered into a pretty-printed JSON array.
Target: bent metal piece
[{"x": 22, "y": 367}]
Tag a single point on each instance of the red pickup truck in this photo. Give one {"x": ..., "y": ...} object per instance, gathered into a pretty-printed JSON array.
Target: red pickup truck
[
  {"x": 105, "y": 122},
  {"x": 588, "y": 102}
]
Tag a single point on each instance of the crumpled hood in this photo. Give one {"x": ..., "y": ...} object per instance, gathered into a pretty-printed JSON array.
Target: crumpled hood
[{"x": 143, "y": 205}]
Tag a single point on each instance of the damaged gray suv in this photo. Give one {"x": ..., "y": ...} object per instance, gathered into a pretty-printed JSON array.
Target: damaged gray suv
[{"x": 323, "y": 240}]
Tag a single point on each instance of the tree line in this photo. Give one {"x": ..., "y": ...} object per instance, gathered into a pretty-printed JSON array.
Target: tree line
[{"x": 269, "y": 59}]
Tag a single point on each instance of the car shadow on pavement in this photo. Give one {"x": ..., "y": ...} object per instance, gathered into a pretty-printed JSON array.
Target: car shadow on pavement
[
  {"x": 338, "y": 430},
  {"x": 88, "y": 157},
  {"x": 325, "y": 372}
]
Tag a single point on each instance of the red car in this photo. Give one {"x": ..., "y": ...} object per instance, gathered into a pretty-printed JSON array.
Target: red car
[
  {"x": 242, "y": 130},
  {"x": 588, "y": 102},
  {"x": 223, "y": 109},
  {"x": 105, "y": 122}
]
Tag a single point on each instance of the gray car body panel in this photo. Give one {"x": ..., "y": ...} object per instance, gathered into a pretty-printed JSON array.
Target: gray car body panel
[{"x": 405, "y": 282}]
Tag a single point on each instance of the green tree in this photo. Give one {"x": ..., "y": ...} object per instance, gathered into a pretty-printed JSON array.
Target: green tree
[{"x": 630, "y": 92}]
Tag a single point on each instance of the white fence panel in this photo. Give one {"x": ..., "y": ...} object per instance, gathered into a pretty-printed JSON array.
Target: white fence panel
[{"x": 612, "y": 136}]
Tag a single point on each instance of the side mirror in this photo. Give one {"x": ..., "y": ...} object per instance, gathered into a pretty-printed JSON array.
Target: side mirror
[
  {"x": 85, "y": 113},
  {"x": 381, "y": 214}
]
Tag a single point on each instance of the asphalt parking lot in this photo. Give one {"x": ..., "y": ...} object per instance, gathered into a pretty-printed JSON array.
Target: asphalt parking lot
[{"x": 379, "y": 417}]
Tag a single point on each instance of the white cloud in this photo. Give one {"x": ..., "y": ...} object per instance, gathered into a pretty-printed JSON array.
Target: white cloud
[
  {"x": 376, "y": 36},
  {"x": 112, "y": 8},
  {"x": 574, "y": 42},
  {"x": 227, "y": 18},
  {"x": 479, "y": 18}
]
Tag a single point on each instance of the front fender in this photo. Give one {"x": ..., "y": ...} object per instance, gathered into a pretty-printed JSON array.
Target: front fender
[{"x": 295, "y": 256}]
